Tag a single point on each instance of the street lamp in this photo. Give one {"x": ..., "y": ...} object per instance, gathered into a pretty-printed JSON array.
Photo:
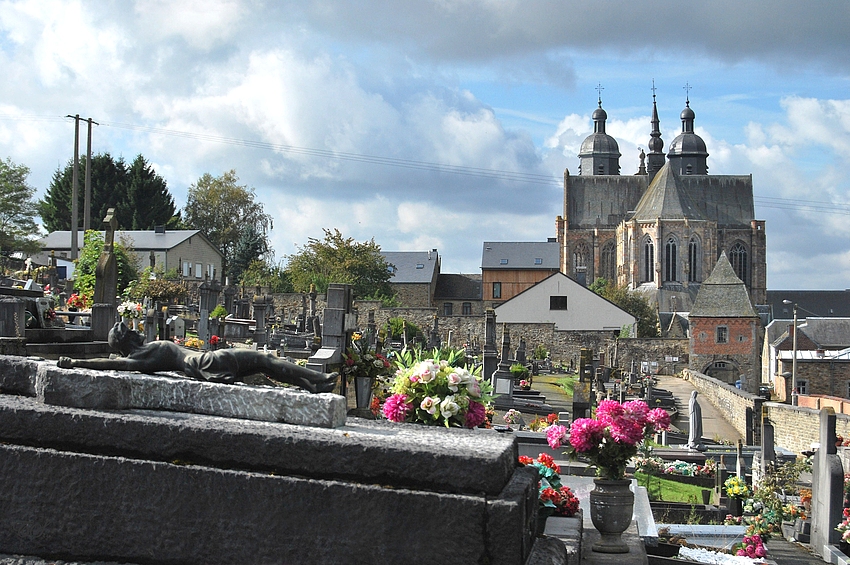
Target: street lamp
[{"x": 794, "y": 359}]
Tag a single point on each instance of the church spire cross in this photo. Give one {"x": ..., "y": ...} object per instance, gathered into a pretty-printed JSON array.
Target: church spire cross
[
  {"x": 599, "y": 90},
  {"x": 653, "y": 89},
  {"x": 687, "y": 89}
]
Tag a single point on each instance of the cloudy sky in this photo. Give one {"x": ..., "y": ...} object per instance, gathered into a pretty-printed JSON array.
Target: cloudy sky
[{"x": 445, "y": 123}]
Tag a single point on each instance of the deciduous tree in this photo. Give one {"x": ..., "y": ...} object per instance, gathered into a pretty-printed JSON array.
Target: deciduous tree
[
  {"x": 17, "y": 210},
  {"x": 631, "y": 302},
  {"x": 225, "y": 210},
  {"x": 339, "y": 259}
]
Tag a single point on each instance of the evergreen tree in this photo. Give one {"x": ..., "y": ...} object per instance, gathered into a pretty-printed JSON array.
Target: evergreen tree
[
  {"x": 140, "y": 196},
  {"x": 250, "y": 247}
]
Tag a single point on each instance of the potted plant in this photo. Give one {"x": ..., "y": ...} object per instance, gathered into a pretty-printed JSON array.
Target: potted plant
[
  {"x": 737, "y": 490},
  {"x": 363, "y": 366},
  {"x": 608, "y": 442}
]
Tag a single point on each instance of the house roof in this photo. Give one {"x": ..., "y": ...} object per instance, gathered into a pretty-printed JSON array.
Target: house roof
[
  {"x": 821, "y": 303},
  {"x": 458, "y": 287},
  {"x": 521, "y": 255},
  {"x": 146, "y": 240},
  {"x": 413, "y": 266},
  {"x": 723, "y": 295}
]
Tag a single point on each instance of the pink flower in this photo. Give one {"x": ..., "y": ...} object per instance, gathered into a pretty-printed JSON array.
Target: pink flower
[
  {"x": 659, "y": 418},
  {"x": 741, "y": 553},
  {"x": 475, "y": 415},
  {"x": 586, "y": 433},
  {"x": 760, "y": 550},
  {"x": 396, "y": 408},
  {"x": 555, "y": 435},
  {"x": 636, "y": 409},
  {"x": 608, "y": 411}
]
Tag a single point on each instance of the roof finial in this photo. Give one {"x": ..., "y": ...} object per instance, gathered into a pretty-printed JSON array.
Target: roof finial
[
  {"x": 687, "y": 88},
  {"x": 599, "y": 89},
  {"x": 653, "y": 90}
]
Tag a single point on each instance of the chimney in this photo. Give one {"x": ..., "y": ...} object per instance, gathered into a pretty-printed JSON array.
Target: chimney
[{"x": 159, "y": 229}]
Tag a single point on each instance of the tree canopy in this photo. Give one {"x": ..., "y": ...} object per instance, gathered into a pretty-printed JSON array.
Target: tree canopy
[
  {"x": 140, "y": 196},
  {"x": 339, "y": 259},
  {"x": 631, "y": 302},
  {"x": 17, "y": 210},
  {"x": 228, "y": 214},
  {"x": 86, "y": 264}
]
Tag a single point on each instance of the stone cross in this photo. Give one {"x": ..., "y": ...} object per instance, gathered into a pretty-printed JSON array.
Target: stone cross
[
  {"x": 104, "y": 311},
  {"x": 827, "y": 487},
  {"x": 491, "y": 359},
  {"x": 520, "y": 352},
  {"x": 336, "y": 330}
]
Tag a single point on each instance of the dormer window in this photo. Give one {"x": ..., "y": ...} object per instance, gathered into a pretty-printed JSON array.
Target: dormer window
[
  {"x": 538, "y": 261},
  {"x": 503, "y": 261},
  {"x": 420, "y": 266}
]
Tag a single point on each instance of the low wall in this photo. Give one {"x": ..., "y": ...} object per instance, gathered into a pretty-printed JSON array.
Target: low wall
[
  {"x": 742, "y": 409},
  {"x": 797, "y": 428},
  {"x": 818, "y": 401}
]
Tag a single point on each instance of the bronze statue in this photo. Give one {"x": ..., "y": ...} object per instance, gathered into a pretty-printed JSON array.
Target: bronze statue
[{"x": 220, "y": 366}]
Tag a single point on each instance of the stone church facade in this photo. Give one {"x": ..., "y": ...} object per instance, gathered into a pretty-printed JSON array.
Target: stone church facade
[{"x": 661, "y": 230}]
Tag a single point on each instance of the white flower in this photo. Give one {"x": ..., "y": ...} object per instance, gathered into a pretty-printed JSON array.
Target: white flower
[
  {"x": 429, "y": 404},
  {"x": 426, "y": 371},
  {"x": 474, "y": 389},
  {"x": 454, "y": 380},
  {"x": 448, "y": 407},
  {"x": 377, "y": 363}
]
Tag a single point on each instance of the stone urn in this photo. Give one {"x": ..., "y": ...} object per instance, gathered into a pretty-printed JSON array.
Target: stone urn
[{"x": 611, "y": 508}]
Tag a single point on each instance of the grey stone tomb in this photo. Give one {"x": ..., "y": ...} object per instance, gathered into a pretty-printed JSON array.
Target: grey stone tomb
[{"x": 827, "y": 487}]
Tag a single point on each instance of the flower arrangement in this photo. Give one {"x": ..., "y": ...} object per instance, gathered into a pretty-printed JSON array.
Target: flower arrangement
[
  {"x": 554, "y": 498},
  {"x": 752, "y": 547},
  {"x": 844, "y": 526},
  {"x": 806, "y": 497},
  {"x": 434, "y": 392},
  {"x": 49, "y": 315},
  {"x": 610, "y": 439},
  {"x": 78, "y": 301},
  {"x": 193, "y": 342},
  {"x": 130, "y": 309},
  {"x": 759, "y": 526},
  {"x": 525, "y": 384},
  {"x": 736, "y": 487},
  {"x": 215, "y": 340},
  {"x": 360, "y": 361},
  {"x": 790, "y": 512},
  {"x": 512, "y": 416}
]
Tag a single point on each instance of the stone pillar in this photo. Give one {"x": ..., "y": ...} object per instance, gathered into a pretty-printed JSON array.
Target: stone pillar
[
  {"x": 12, "y": 317},
  {"x": 503, "y": 379},
  {"x": 491, "y": 359},
  {"x": 229, "y": 294},
  {"x": 103, "y": 317},
  {"x": 150, "y": 324},
  {"x": 261, "y": 304},
  {"x": 209, "y": 291},
  {"x": 827, "y": 487}
]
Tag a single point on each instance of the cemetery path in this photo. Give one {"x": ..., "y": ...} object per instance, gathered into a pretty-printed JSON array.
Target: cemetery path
[
  {"x": 784, "y": 552},
  {"x": 714, "y": 424}
]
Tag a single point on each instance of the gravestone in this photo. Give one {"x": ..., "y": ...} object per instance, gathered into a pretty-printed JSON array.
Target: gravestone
[
  {"x": 229, "y": 294},
  {"x": 103, "y": 312},
  {"x": 336, "y": 330},
  {"x": 520, "y": 352},
  {"x": 491, "y": 360},
  {"x": 581, "y": 390},
  {"x": 261, "y": 304},
  {"x": 503, "y": 379},
  {"x": 434, "y": 334},
  {"x": 827, "y": 487},
  {"x": 209, "y": 291},
  {"x": 12, "y": 317}
]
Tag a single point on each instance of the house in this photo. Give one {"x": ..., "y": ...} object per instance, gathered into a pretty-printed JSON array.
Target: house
[
  {"x": 567, "y": 305},
  {"x": 189, "y": 252},
  {"x": 415, "y": 274},
  {"x": 725, "y": 329},
  {"x": 459, "y": 295},
  {"x": 818, "y": 303},
  {"x": 509, "y": 268},
  {"x": 819, "y": 372}
]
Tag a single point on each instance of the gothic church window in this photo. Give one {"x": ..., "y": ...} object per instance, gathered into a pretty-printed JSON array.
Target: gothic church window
[
  {"x": 648, "y": 261},
  {"x": 671, "y": 257},
  {"x": 581, "y": 256},
  {"x": 738, "y": 258},
  {"x": 609, "y": 262},
  {"x": 693, "y": 260}
]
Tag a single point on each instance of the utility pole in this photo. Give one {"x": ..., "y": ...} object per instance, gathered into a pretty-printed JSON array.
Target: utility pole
[
  {"x": 87, "y": 203},
  {"x": 75, "y": 212}
]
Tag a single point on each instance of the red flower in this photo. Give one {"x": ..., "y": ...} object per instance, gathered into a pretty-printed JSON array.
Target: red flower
[{"x": 525, "y": 460}]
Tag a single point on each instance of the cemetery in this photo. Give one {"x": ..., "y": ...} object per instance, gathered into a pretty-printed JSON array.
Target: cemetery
[{"x": 143, "y": 432}]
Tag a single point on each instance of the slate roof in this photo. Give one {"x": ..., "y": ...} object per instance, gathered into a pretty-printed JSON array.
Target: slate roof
[
  {"x": 413, "y": 266},
  {"x": 723, "y": 295},
  {"x": 822, "y": 303},
  {"x": 666, "y": 198},
  {"x": 521, "y": 255},
  {"x": 146, "y": 240},
  {"x": 458, "y": 287},
  {"x": 829, "y": 333}
]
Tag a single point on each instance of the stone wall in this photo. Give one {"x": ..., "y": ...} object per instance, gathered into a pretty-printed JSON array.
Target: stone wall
[
  {"x": 741, "y": 408},
  {"x": 658, "y": 349}
]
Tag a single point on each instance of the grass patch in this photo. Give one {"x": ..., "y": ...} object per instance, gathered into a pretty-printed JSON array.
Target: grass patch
[
  {"x": 668, "y": 490},
  {"x": 568, "y": 383}
]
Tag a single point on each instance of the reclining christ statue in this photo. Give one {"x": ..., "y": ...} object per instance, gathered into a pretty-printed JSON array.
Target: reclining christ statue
[{"x": 220, "y": 366}]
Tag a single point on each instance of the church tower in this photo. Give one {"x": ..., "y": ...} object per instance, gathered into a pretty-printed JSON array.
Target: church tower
[
  {"x": 599, "y": 154},
  {"x": 687, "y": 153}
]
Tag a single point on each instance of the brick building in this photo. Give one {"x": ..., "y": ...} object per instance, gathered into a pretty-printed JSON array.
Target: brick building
[{"x": 725, "y": 329}]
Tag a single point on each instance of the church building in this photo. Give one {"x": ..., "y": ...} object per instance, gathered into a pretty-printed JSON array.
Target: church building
[{"x": 661, "y": 230}]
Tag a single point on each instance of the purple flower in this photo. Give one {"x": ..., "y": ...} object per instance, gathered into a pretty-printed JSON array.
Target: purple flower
[{"x": 475, "y": 415}]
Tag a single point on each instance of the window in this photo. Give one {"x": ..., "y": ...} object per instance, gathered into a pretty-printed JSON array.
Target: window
[
  {"x": 447, "y": 309},
  {"x": 503, "y": 261},
  {"x": 581, "y": 255},
  {"x": 693, "y": 260},
  {"x": 648, "y": 261},
  {"x": 720, "y": 364},
  {"x": 802, "y": 386},
  {"x": 670, "y": 259},
  {"x": 199, "y": 269},
  {"x": 420, "y": 266},
  {"x": 557, "y": 303},
  {"x": 609, "y": 262},
  {"x": 210, "y": 271},
  {"x": 538, "y": 260},
  {"x": 467, "y": 308},
  {"x": 187, "y": 269},
  {"x": 497, "y": 290},
  {"x": 722, "y": 334},
  {"x": 738, "y": 258}
]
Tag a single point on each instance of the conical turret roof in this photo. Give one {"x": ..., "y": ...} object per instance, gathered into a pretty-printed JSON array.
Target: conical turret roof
[
  {"x": 723, "y": 294},
  {"x": 667, "y": 199}
]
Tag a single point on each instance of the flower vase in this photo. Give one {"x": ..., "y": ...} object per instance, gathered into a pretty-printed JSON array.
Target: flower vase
[
  {"x": 611, "y": 508},
  {"x": 736, "y": 506},
  {"x": 363, "y": 391},
  {"x": 135, "y": 324}
]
